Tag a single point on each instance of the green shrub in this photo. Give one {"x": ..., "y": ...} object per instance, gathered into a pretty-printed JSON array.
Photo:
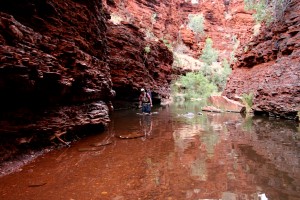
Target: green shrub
[
  {"x": 207, "y": 71},
  {"x": 167, "y": 43},
  {"x": 209, "y": 54},
  {"x": 279, "y": 8},
  {"x": 220, "y": 78},
  {"x": 147, "y": 49},
  {"x": 226, "y": 66},
  {"x": 248, "y": 98},
  {"x": 262, "y": 13},
  {"x": 194, "y": 85},
  {"x": 217, "y": 76},
  {"x": 248, "y": 101},
  {"x": 267, "y": 10},
  {"x": 196, "y": 23}
]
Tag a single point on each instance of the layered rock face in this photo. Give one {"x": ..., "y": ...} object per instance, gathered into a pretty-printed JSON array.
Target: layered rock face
[
  {"x": 226, "y": 22},
  {"x": 136, "y": 63},
  {"x": 59, "y": 63},
  {"x": 270, "y": 68},
  {"x": 54, "y": 75},
  {"x": 54, "y": 52}
]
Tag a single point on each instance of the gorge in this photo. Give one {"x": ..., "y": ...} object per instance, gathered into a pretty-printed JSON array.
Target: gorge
[{"x": 64, "y": 64}]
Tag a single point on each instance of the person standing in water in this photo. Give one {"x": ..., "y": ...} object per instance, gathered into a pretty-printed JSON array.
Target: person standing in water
[{"x": 145, "y": 101}]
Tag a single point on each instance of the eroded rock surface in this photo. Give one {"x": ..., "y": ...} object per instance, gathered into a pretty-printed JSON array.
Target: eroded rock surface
[
  {"x": 226, "y": 23},
  {"x": 59, "y": 62},
  {"x": 133, "y": 66},
  {"x": 270, "y": 68},
  {"x": 54, "y": 74}
]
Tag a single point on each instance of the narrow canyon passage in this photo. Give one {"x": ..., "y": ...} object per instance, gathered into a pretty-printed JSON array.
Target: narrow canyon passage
[
  {"x": 183, "y": 155},
  {"x": 65, "y": 66}
]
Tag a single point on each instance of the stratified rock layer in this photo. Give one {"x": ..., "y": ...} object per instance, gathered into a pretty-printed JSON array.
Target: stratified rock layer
[
  {"x": 54, "y": 74},
  {"x": 55, "y": 53},
  {"x": 270, "y": 69},
  {"x": 136, "y": 63},
  {"x": 59, "y": 62},
  {"x": 226, "y": 22}
]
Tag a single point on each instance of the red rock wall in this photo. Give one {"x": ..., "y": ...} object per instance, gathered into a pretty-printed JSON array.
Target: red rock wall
[
  {"x": 54, "y": 74},
  {"x": 59, "y": 63},
  {"x": 171, "y": 18},
  {"x": 132, "y": 67},
  {"x": 270, "y": 69},
  {"x": 54, "y": 52}
]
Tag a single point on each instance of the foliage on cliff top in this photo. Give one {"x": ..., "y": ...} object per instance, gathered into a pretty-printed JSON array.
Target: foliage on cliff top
[{"x": 268, "y": 10}]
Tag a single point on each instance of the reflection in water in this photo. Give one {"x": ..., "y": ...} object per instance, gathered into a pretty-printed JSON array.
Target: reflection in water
[
  {"x": 183, "y": 155},
  {"x": 146, "y": 125}
]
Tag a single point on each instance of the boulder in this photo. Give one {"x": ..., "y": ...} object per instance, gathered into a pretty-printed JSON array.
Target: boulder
[
  {"x": 211, "y": 109},
  {"x": 223, "y": 103}
]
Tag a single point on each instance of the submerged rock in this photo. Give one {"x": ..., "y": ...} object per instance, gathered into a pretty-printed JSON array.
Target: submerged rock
[
  {"x": 188, "y": 115},
  {"x": 99, "y": 144},
  {"x": 89, "y": 149},
  {"x": 131, "y": 136}
]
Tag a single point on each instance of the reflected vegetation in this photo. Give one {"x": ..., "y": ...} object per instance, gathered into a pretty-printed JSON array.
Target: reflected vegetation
[
  {"x": 255, "y": 158},
  {"x": 184, "y": 154}
]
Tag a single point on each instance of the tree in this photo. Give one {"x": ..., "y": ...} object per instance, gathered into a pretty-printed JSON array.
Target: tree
[
  {"x": 209, "y": 54},
  {"x": 196, "y": 23}
]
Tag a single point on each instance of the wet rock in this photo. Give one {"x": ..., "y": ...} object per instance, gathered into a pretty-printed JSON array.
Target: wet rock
[
  {"x": 48, "y": 126},
  {"x": 99, "y": 144},
  {"x": 37, "y": 184},
  {"x": 88, "y": 149},
  {"x": 211, "y": 109},
  {"x": 187, "y": 115},
  {"x": 131, "y": 136}
]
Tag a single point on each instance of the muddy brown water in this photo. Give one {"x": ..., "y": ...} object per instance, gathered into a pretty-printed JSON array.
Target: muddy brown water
[{"x": 182, "y": 155}]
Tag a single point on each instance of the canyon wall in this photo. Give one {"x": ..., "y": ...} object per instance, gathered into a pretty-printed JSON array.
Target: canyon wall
[
  {"x": 54, "y": 75},
  {"x": 268, "y": 67},
  {"x": 63, "y": 63},
  {"x": 226, "y": 22},
  {"x": 133, "y": 66},
  {"x": 59, "y": 63}
]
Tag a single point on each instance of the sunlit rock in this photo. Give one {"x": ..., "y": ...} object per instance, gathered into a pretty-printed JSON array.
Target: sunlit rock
[{"x": 223, "y": 103}]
